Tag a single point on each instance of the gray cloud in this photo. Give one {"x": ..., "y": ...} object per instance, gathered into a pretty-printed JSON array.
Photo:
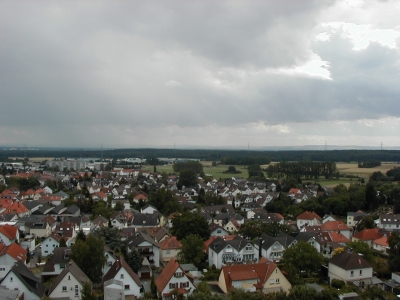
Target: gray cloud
[{"x": 148, "y": 73}]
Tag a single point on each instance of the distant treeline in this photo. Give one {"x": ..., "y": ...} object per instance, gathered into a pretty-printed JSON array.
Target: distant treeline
[
  {"x": 229, "y": 157},
  {"x": 309, "y": 169},
  {"x": 369, "y": 164}
]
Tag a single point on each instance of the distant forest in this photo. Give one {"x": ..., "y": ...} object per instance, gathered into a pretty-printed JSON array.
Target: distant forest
[{"x": 238, "y": 157}]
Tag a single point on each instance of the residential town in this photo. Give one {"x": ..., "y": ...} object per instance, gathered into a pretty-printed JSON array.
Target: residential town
[{"x": 133, "y": 233}]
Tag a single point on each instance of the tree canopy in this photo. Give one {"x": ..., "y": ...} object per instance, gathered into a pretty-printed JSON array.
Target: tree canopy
[
  {"x": 188, "y": 223},
  {"x": 302, "y": 257},
  {"x": 192, "y": 251},
  {"x": 89, "y": 256},
  {"x": 254, "y": 229}
]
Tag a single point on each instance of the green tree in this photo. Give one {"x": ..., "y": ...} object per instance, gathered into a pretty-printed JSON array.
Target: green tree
[
  {"x": 89, "y": 256},
  {"x": 201, "y": 196},
  {"x": 371, "y": 199},
  {"x": 302, "y": 257},
  {"x": 187, "y": 178},
  {"x": 240, "y": 294},
  {"x": 134, "y": 260},
  {"x": 119, "y": 206},
  {"x": 302, "y": 292},
  {"x": 373, "y": 292},
  {"x": 86, "y": 292},
  {"x": 164, "y": 201},
  {"x": 366, "y": 223},
  {"x": 81, "y": 236},
  {"x": 188, "y": 223},
  {"x": 254, "y": 229},
  {"x": 153, "y": 287},
  {"x": 394, "y": 253},
  {"x": 28, "y": 255},
  {"x": 62, "y": 243},
  {"x": 111, "y": 236},
  {"x": 194, "y": 166},
  {"x": 192, "y": 251},
  {"x": 363, "y": 248}
]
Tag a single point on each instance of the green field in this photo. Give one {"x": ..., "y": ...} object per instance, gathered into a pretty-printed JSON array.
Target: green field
[{"x": 216, "y": 172}]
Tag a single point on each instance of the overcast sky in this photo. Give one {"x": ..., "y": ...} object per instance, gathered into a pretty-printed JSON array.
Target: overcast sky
[{"x": 199, "y": 73}]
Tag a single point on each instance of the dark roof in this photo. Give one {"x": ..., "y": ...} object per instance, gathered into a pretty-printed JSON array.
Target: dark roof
[
  {"x": 28, "y": 279},
  {"x": 73, "y": 209},
  {"x": 45, "y": 209},
  {"x": 117, "y": 265},
  {"x": 31, "y": 204},
  {"x": 350, "y": 261},
  {"x": 139, "y": 238},
  {"x": 237, "y": 243},
  {"x": 145, "y": 220},
  {"x": 72, "y": 268},
  {"x": 58, "y": 209}
]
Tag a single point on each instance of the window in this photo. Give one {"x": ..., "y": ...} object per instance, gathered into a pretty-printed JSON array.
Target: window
[
  {"x": 272, "y": 281},
  {"x": 110, "y": 263},
  {"x": 2, "y": 269},
  {"x": 76, "y": 291},
  {"x": 122, "y": 276},
  {"x": 277, "y": 280},
  {"x": 168, "y": 251},
  {"x": 127, "y": 287},
  {"x": 173, "y": 285},
  {"x": 69, "y": 277},
  {"x": 360, "y": 272},
  {"x": 352, "y": 274},
  {"x": 11, "y": 279},
  {"x": 178, "y": 274},
  {"x": 248, "y": 248},
  {"x": 64, "y": 289}
]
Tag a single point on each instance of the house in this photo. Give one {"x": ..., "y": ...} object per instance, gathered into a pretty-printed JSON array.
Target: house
[
  {"x": 174, "y": 278},
  {"x": 38, "y": 229},
  {"x": 22, "y": 279},
  {"x": 69, "y": 284},
  {"x": 170, "y": 247},
  {"x": 121, "y": 271},
  {"x": 308, "y": 218},
  {"x": 110, "y": 257},
  {"x": 146, "y": 246},
  {"x": 118, "y": 220},
  {"x": 389, "y": 221},
  {"x": 367, "y": 236},
  {"x": 223, "y": 251},
  {"x": 354, "y": 217},
  {"x": 217, "y": 230},
  {"x": 264, "y": 276},
  {"x": 145, "y": 220},
  {"x": 49, "y": 244},
  {"x": 232, "y": 226},
  {"x": 148, "y": 209},
  {"x": 57, "y": 263},
  {"x": 9, "y": 234},
  {"x": 114, "y": 290},
  {"x": 272, "y": 248},
  {"x": 350, "y": 267},
  {"x": 381, "y": 245},
  {"x": 9, "y": 255},
  {"x": 336, "y": 226}
]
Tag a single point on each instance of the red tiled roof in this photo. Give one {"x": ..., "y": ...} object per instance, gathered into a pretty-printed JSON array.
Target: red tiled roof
[
  {"x": 17, "y": 208},
  {"x": 368, "y": 234},
  {"x": 334, "y": 225},
  {"x": 307, "y": 215},
  {"x": 170, "y": 243},
  {"x": 166, "y": 274},
  {"x": 14, "y": 250},
  {"x": 9, "y": 231},
  {"x": 383, "y": 241},
  {"x": 261, "y": 270},
  {"x": 338, "y": 237}
]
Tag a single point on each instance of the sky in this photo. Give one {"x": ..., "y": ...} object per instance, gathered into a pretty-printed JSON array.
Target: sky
[{"x": 199, "y": 73}]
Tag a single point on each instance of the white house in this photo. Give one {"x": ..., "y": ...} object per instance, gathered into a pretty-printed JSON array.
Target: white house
[
  {"x": 173, "y": 277},
  {"x": 49, "y": 244},
  {"x": 146, "y": 246},
  {"x": 22, "y": 279},
  {"x": 9, "y": 255},
  {"x": 69, "y": 283},
  {"x": 121, "y": 271},
  {"x": 350, "y": 266},
  {"x": 222, "y": 251}
]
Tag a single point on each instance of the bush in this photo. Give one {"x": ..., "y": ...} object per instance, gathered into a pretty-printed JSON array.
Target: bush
[{"x": 337, "y": 284}]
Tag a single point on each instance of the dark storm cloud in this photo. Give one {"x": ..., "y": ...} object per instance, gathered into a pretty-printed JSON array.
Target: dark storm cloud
[{"x": 83, "y": 72}]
